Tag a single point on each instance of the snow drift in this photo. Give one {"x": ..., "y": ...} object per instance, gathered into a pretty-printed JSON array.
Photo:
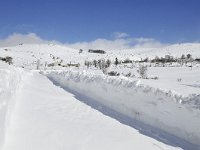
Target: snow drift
[
  {"x": 165, "y": 110},
  {"x": 10, "y": 78}
]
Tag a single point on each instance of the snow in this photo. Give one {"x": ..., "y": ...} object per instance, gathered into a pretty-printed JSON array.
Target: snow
[
  {"x": 81, "y": 108},
  {"x": 10, "y": 79},
  {"x": 163, "y": 110},
  {"x": 168, "y": 79},
  {"x": 47, "y": 117},
  {"x": 175, "y": 50},
  {"x": 26, "y": 55}
]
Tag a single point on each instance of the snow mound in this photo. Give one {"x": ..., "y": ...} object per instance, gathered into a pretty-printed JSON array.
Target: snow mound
[
  {"x": 165, "y": 110},
  {"x": 10, "y": 78}
]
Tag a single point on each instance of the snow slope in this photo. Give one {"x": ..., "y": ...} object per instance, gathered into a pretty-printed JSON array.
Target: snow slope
[
  {"x": 188, "y": 85},
  {"x": 26, "y": 55},
  {"x": 47, "y": 117},
  {"x": 10, "y": 79},
  {"x": 165, "y": 106},
  {"x": 175, "y": 50},
  {"x": 164, "y": 110}
]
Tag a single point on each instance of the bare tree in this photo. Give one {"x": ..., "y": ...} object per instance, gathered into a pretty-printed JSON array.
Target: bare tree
[
  {"x": 143, "y": 71},
  {"x": 95, "y": 63},
  {"x": 108, "y": 62},
  {"x": 116, "y": 61},
  {"x": 80, "y": 51}
]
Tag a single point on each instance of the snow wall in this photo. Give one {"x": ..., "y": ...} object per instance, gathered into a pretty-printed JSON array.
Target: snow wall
[
  {"x": 10, "y": 78},
  {"x": 164, "y": 110}
]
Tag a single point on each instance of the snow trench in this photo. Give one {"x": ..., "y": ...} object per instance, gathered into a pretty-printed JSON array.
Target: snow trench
[
  {"x": 164, "y": 110},
  {"x": 10, "y": 78}
]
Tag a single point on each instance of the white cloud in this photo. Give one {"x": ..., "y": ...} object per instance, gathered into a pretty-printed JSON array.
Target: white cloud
[
  {"x": 103, "y": 44},
  {"x": 128, "y": 43},
  {"x": 147, "y": 43},
  {"x": 119, "y": 35},
  {"x": 118, "y": 43},
  {"x": 17, "y": 38}
]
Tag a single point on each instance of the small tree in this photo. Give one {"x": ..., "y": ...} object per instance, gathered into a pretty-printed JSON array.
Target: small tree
[
  {"x": 182, "y": 59},
  {"x": 38, "y": 64},
  {"x": 108, "y": 62},
  {"x": 80, "y": 51},
  {"x": 189, "y": 56},
  {"x": 95, "y": 63},
  {"x": 99, "y": 64},
  {"x": 146, "y": 59},
  {"x": 116, "y": 61},
  {"x": 182, "y": 56},
  {"x": 87, "y": 63},
  {"x": 143, "y": 71},
  {"x": 102, "y": 65},
  {"x": 9, "y": 60}
]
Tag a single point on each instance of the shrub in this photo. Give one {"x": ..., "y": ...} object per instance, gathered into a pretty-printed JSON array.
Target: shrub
[
  {"x": 128, "y": 74},
  {"x": 126, "y": 61},
  {"x": 116, "y": 61},
  {"x": 113, "y": 73},
  {"x": 7, "y": 59},
  {"x": 108, "y": 63},
  {"x": 179, "y": 79},
  {"x": 155, "y": 78},
  {"x": 143, "y": 71}
]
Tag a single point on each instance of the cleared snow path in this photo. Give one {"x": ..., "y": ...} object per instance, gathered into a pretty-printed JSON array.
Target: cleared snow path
[{"x": 46, "y": 117}]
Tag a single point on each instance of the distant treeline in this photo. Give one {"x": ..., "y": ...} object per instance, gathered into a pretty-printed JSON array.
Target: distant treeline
[{"x": 96, "y": 51}]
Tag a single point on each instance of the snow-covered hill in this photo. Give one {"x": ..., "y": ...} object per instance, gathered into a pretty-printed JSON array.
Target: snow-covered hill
[
  {"x": 160, "y": 106},
  {"x": 26, "y": 55}
]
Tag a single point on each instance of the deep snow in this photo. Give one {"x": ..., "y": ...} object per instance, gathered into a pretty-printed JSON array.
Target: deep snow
[
  {"x": 47, "y": 117},
  {"x": 10, "y": 79},
  {"x": 163, "y": 110}
]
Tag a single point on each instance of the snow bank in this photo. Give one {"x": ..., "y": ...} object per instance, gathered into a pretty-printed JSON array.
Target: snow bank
[
  {"x": 10, "y": 78},
  {"x": 165, "y": 110}
]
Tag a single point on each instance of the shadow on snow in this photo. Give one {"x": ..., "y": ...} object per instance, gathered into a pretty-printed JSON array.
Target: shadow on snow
[{"x": 144, "y": 129}]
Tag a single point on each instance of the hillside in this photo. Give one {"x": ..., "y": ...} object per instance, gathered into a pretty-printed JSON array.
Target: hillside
[
  {"x": 55, "y": 97},
  {"x": 27, "y": 54}
]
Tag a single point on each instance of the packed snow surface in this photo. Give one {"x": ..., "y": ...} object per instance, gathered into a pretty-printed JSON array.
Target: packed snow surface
[{"x": 10, "y": 79}]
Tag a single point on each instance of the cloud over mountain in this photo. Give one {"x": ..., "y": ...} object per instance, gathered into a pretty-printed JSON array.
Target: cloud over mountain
[{"x": 121, "y": 41}]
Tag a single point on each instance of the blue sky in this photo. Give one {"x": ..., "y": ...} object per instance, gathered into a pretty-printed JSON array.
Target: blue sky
[{"x": 168, "y": 21}]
